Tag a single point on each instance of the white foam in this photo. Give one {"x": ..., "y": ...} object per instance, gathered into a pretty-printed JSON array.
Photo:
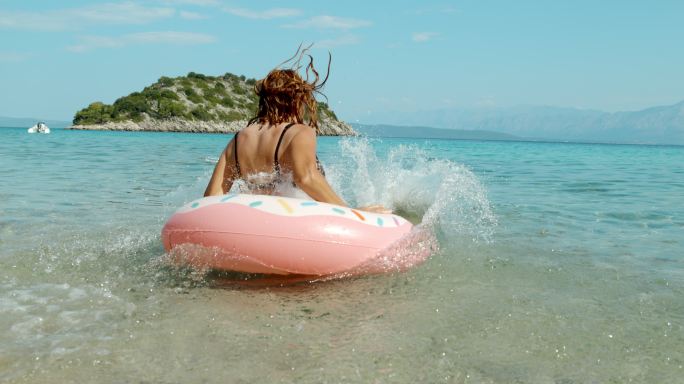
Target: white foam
[{"x": 445, "y": 195}]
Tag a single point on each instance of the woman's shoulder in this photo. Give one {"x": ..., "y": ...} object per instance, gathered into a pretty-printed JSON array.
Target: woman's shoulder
[
  {"x": 302, "y": 139},
  {"x": 302, "y": 130}
]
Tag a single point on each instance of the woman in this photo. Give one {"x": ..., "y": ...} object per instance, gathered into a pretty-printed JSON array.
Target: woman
[{"x": 278, "y": 146}]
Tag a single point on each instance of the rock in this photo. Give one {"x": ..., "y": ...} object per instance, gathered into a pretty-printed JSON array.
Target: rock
[{"x": 328, "y": 127}]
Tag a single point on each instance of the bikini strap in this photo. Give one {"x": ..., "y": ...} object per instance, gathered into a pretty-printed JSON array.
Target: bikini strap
[
  {"x": 235, "y": 148},
  {"x": 276, "y": 165}
]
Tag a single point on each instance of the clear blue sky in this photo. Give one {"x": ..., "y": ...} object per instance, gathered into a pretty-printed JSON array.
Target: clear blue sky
[{"x": 58, "y": 56}]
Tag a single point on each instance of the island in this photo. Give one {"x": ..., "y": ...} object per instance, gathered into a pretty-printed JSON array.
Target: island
[{"x": 192, "y": 103}]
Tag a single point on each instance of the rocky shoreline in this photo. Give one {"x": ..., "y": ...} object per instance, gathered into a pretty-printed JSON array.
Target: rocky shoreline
[{"x": 328, "y": 127}]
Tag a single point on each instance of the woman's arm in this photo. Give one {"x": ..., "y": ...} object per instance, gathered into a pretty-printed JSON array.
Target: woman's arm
[
  {"x": 224, "y": 173},
  {"x": 302, "y": 150}
]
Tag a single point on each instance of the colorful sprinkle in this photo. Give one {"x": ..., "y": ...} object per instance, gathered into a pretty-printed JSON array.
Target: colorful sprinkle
[
  {"x": 360, "y": 216},
  {"x": 285, "y": 205},
  {"x": 308, "y": 203},
  {"x": 255, "y": 204},
  {"x": 379, "y": 221},
  {"x": 228, "y": 197},
  {"x": 340, "y": 211},
  {"x": 195, "y": 205},
  {"x": 395, "y": 221}
]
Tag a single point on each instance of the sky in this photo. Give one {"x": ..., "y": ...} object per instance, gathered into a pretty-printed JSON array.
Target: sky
[{"x": 56, "y": 57}]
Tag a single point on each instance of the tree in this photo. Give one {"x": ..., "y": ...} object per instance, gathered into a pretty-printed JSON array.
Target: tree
[{"x": 95, "y": 113}]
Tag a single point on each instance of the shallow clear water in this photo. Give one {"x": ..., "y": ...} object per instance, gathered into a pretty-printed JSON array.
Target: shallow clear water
[{"x": 557, "y": 263}]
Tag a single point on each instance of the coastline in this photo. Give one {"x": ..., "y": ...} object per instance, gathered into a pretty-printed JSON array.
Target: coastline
[{"x": 327, "y": 127}]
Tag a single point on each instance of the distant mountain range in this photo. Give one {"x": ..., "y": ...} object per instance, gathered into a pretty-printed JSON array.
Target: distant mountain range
[
  {"x": 657, "y": 125},
  {"x": 21, "y": 122},
  {"x": 383, "y": 130}
]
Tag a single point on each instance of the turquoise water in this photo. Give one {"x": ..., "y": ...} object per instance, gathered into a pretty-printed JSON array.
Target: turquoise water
[{"x": 557, "y": 263}]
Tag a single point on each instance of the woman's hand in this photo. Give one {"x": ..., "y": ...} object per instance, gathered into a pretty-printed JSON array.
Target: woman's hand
[{"x": 375, "y": 208}]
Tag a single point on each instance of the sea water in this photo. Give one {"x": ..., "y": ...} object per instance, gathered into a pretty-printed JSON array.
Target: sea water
[{"x": 556, "y": 263}]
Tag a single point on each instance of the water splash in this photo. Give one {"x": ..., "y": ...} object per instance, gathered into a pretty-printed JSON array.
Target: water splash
[{"x": 438, "y": 194}]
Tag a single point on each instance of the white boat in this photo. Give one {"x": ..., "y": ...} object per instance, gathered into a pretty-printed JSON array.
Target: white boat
[{"x": 39, "y": 128}]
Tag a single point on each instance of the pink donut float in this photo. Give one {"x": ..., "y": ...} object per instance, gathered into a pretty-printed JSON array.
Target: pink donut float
[{"x": 278, "y": 235}]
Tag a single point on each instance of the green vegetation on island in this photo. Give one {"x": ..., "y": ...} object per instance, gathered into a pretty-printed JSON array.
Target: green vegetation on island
[{"x": 194, "y": 97}]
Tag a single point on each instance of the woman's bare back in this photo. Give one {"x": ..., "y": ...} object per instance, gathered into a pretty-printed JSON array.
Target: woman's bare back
[
  {"x": 256, "y": 155},
  {"x": 256, "y": 149}
]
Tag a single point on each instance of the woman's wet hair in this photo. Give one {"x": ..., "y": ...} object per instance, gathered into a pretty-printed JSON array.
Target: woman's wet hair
[{"x": 286, "y": 96}]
